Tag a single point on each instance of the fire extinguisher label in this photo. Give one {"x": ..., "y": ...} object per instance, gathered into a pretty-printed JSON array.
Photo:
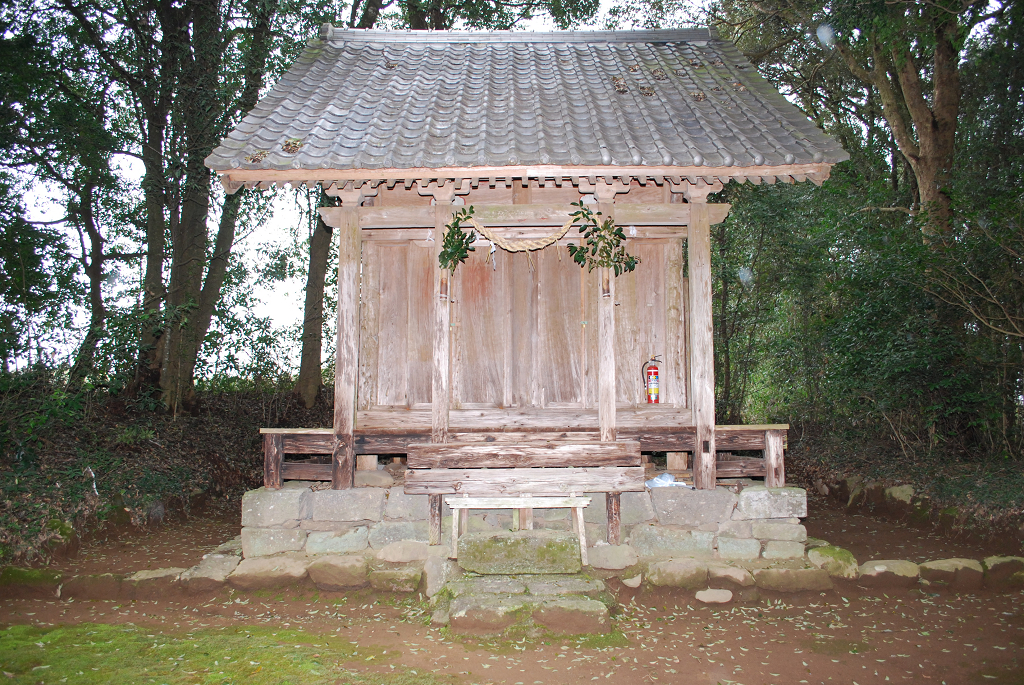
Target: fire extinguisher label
[{"x": 652, "y": 386}]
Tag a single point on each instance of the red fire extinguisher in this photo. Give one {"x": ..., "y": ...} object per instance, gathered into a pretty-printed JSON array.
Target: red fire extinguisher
[{"x": 649, "y": 371}]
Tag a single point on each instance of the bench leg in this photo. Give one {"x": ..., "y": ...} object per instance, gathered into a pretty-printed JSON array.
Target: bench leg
[
  {"x": 463, "y": 521},
  {"x": 435, "y": 519},
  {"x": 612, "y": 504},
  {"x": 774, "y": 458},
  {"x": 273, "y": 455},
  {"x": 580, "y": 528},
  {"x": 454, "y": 554},
  {"x": 526, "y": 519}
]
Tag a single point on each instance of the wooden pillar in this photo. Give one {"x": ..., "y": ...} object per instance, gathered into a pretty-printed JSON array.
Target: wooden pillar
[
  {"x": 774, "y": 462},
  {"x": 273, "y": 455},
  {"x": 440, "y": 376},
  {"x": 702, "y": 361},
  {"x": 606, "y": 355},
  {"x": 612, "y": 502}
]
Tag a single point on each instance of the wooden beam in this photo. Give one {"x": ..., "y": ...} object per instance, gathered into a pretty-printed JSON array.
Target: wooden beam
[
  {"x": 497, "y": 455},
  {"x": 291, "y": 470},
  {"x": 775, "y": 476},
  {"x": 273, "y": 455},
  {"x": 346, "y": 361},
  {"x": 492, "y": 482},
  {"x": 702, "y": 360}
]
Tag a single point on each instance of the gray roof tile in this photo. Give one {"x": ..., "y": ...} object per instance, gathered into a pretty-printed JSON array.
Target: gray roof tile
[{"x": 377, "y": 99}]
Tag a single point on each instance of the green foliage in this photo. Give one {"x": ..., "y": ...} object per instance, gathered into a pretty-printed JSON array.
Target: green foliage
[
  {"x": 603, "y": 242},
  {"x": 457, "y": 243}
]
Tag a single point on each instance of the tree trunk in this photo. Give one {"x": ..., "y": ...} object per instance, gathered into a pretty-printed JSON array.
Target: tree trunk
[
  {"x": 310, "y": 371},
  {"x": 92, "y": 262}
]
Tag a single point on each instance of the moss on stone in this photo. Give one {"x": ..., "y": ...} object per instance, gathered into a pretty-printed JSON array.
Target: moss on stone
[{"x": 12, "y": 575}]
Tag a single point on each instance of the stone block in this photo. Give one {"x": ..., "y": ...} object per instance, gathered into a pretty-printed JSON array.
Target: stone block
[
  {"x": 888, "y": 573},
  {"x": 684, "y": 573},
  {"x": 633, "y": 581},
  {"x": 355, "y": 504},
  {"x": 662, "y": 541},
  {"x": 262, "y": 542},
  {"x": 160, "y": 583},
  {"x": 720, "y": 576},
  {"x": 735, "y": 529},
  {"x": 634, "y": 508},
  {"x": 29, "y": 583},
  {"x": 1004, "y": 573},
  {"x": 766, "y": 530},
  {"x": 838, "y": 562},
  {"x": 484, "y": 614},
  {"x": 542, "y": 586},
  {"x": 269, "y": 573},
  {"x": 373, "y": 479},
  {"x": 299, "y": 484},
  {"x": 962, "y": 575},
  {"x": 388, "y": 532},
  {"x": 403, "y": 552},
  {"x": 783, "y": 549},
  {"x": 345, "y": 541},
  {"x": 437, "y": 571},
  {"x": 401, "y": 506},
  {"x": 232, "y": 546},
  {"x": 337, "y": 573},
  {"x": 714, "y": 596},
  {"x": 598, "y": 532},
  {"x": 526, "y": 551},
  {"x": 265, "y": 508},
  {"x": 494, "y": 585},
  {"x": 390, "y": 578},
  {"x": 760, "y": 502},
  {"x": 685, "y": 507},
  {"x": 98, "y": 586},
  {"x": 210, "y": 574},
  {"x": 792, "y": 579},
  {"x": 572, "y": 616},
  {"x": 739, "y": 548},
  {"x": 612, "y": 557}
]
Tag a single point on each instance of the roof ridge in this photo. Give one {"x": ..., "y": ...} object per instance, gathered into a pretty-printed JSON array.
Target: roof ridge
[{"x": 341, "y": 34}]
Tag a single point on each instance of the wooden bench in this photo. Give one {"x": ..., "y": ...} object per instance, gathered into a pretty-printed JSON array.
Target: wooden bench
[{"x": 524, "y": 470}]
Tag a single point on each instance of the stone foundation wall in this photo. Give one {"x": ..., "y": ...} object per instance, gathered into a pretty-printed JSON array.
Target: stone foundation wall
[{"x": 755, "y": 523}]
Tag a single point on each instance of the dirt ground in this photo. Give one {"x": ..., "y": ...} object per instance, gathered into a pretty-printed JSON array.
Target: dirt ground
[{"x": 845, "y": 636}]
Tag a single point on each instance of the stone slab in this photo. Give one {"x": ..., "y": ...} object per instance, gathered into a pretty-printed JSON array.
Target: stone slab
[
  {"x": 401, "y": 506},
  {"x": 29, "y": 583},
  {"x": 738, "y": 549},
  {"x": 389, "y": 532},
  {"x": 262, "y": 542},
  {"x": 345, "y": 541},
  {"x": 634, "y": 508},
  {"x": 541, "y": 586},
  {"x": 484, "y": 614},
  {"x": 355, "y": 504},
  {"x": 760, "y": 502},
  {"x": 265, "y": 508},
  {"x": 572, "y": 616},
  {"x": 98, "y": 586},
  {"x": 404, "y": 551},
  {"x": 484, "y": 585},
  {"x": 888, "y": 573},
  {"x": 269, "y": 573},
  {"x": 792, "y": 579},
  {"x": 782, "y": 549},
  {"x": 768, "y": 530},
  {"x": 373, "y": 479},
  {"x": 527, "y": 551},
  {"x": 662, "y": 541},
  {"x": 612, "y": 557},
  {"x": 684, "y": 507},
  {"x": 232, "y": 546},
  {"x": 437, "y": 572},
  {"x": 735, "y": 529},
  {"x": 1004, "y": 573},
  {"x": 210, "y": 574},
  {"x": 714, "y": 596},
  {"x": 337, "y": 573},
  {"x": 405, "y": 578},
  {"x": 962, "y": 575},
  {"x": 158, "y": 583},
  {"x": 683, "y": 573},
  {"x": 720, "y": 576}
]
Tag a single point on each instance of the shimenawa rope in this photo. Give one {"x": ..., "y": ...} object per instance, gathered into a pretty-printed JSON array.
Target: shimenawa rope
[{"x": 520, "y": 244}]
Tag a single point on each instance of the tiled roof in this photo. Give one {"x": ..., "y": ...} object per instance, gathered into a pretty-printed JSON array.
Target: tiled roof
[{"x": 378, "y": 100}]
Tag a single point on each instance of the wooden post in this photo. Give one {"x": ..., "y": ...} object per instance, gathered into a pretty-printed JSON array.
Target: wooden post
[
  {"x": 440, "y": 378},
  {"x": 273, "y": 455},
  {"x": 435, "y": 502},
  {"x": 612, "y": 502},
  {"x": 606, "y": 356},
  {"x": 346, "y": 363},
  {"x": 677, "y": 461},
  {"x": 702, "y": 360},
  {"x": 774, "y": 460}
]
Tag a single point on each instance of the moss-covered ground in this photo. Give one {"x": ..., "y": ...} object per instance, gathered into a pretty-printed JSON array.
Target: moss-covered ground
[{"x": 98, "y": 653}]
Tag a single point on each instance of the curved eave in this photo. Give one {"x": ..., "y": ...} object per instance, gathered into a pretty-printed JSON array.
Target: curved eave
[{"x": 235, "y": 179}]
